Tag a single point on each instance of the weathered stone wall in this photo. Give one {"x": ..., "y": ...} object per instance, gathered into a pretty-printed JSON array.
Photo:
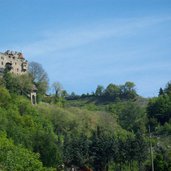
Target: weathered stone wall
[{"x": 17, "y": 61}]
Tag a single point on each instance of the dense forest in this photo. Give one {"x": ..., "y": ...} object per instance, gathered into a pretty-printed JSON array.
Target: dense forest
[{"x": 110, "y": 129}]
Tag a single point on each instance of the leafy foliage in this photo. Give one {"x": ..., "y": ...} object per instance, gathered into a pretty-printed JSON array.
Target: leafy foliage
[
  {"x": 160, "y": 108},
  {"x": 39, "y": 78},
  {"x": 95, "y": 131},
  {"x": 14, "y": 157}
]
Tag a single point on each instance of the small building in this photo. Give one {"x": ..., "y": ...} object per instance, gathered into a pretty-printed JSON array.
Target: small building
[{"x": 33, "y": 94}]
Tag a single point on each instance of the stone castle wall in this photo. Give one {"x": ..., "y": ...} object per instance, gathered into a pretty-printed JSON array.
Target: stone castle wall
[{"x": 14, "y": 59}]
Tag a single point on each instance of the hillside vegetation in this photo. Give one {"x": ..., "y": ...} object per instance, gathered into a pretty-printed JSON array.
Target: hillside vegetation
[{"x": 105, "y": 130}]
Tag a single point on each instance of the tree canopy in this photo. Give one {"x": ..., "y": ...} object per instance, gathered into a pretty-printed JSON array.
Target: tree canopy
[
  {"x": 39, "y": 77},
  {"x": 103, "y": 131}
]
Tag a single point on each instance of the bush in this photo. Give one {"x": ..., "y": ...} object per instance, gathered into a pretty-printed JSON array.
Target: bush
[{"x": 14, "y": 157}]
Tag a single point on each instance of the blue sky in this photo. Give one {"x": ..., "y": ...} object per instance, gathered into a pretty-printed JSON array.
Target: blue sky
[{"x": 84, "y": 43}]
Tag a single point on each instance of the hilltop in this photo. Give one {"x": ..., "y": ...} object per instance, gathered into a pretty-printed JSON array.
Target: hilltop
[{"x": 105, "y": 130}]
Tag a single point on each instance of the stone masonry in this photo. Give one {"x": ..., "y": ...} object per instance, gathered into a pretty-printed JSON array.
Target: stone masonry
[{"x": 15, "y": 61}]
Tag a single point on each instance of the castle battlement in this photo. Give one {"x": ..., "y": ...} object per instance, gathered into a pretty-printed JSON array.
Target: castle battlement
[{"x": 15, "y": 61}]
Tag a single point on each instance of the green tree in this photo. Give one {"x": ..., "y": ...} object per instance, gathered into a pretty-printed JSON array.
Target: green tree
[
  {"x": 5, "y": 97},
  {"x": 39, "y": 78},
  {"x": 167, "y": 89},
  {"x": 76, "y": 151},
  {"x": 10, "y": 83},
  {"x": 140, "y": 149},
  {"x": 14, "y": 157},
  {"x": 162, "y": 160},
  {"x": 132, "y": 117},
  {"x": 121, "y": 157},
  {"x": 161, "y": 92},
  {"x": 18, "y": 84},
  {"x": 99, "y": 90},
  {"x": 128, "y": 90},
  {"x": 57, "y": 87},
  {"x": 50, "y": 150},
  {"x": 25, "y": 83},
  {"x": 160, "y": 108},
  {"x": 112, "y": 92},
  {"x": 100, "y": 150}
]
